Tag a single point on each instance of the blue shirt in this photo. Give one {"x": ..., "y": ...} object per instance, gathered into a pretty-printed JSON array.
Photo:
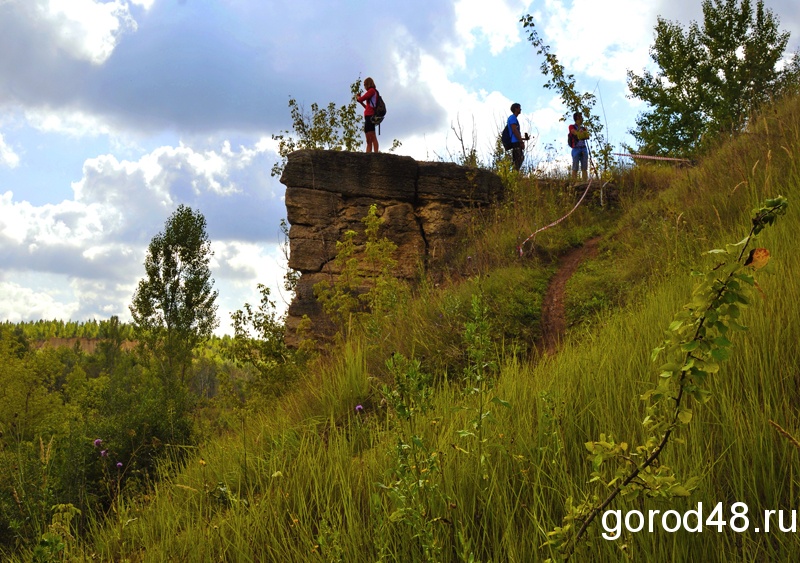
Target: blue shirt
[{"x": 513, "y": 120}]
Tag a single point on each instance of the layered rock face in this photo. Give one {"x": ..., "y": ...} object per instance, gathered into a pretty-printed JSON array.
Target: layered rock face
[{"x": 426, "y": 209}]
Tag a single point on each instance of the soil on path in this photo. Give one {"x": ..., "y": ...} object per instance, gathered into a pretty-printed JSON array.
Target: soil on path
[{"x": 553, "y": 318}]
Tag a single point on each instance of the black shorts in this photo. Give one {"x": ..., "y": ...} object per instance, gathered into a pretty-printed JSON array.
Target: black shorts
[{"x": 368, "y": 125}]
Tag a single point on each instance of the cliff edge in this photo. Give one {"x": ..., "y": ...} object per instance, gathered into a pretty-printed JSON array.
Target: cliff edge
[{"x": 426, "y": 209}]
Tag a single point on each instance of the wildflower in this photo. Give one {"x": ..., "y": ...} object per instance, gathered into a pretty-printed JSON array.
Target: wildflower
[
  {"x": 119, "y": 465},
  {"x": 104, "y": 453},
  {"x": 98, "y": 443},
  {"x": 359, "y": 408}
]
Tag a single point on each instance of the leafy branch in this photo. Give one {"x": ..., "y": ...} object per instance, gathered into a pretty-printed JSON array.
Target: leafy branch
[
  {"x": 329, "y": 127},
  {"x": 696, "y": 343},
  {"x": 559, "y": 80},
  {"x": 564, "y": 84}
]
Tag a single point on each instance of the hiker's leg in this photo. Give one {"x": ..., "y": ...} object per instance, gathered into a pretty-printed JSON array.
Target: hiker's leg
[
  {"x": 575, "y": 161},
  {"x": 369, "y": 132},
  {"x": 584, "y": 163},
  {"x": 372, "y": 142},
  {"x": 517, "y": 156}
]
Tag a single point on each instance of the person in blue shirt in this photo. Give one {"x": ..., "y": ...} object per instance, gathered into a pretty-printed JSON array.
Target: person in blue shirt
[{"x": 517, "y": 140}]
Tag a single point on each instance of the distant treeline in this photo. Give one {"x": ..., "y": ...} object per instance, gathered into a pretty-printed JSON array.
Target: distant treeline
[
  {"x": 59, "y": 329},
  {"x": 44, "y": 329}
]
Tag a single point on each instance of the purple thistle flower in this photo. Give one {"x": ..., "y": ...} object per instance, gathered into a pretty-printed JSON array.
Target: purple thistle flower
[
  {"x": 104, "y": 453},
  {"x": 119, "y": 465},
  {"x": 98, "y": 443},
  {"x": 359, "y": 408}
]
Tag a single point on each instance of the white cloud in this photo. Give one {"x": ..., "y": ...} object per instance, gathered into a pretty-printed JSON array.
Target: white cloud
[
  {"x": 496, "y": 21},
  {"x": 87, "y": 29},
  {"x": 238, "y": 268},
  {"x": 146, "y": 4},
  {"x": 600, "y": 39},
  {"x": 95, "y": 243},
  {"x": 66, "y": 122},
  {"x": 19, "y": 303},
  {"x": 474, "y": 113},
  {"x": 7, "y": 155}
]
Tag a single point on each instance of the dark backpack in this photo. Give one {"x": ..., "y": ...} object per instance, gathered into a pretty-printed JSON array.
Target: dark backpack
[
  {"x": 380, "y": 109},
  {"x": 505, "y": 138},
  {"x": 572, "y": 138}
]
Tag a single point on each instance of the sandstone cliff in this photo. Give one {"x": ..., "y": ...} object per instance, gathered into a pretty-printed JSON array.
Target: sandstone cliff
[{"x": 426, "y": 208}]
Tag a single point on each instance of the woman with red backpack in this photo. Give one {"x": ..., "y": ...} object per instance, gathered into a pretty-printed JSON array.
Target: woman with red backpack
[
  {"x": 577, "y": 141},
  {"x": 369, "y": 100}
]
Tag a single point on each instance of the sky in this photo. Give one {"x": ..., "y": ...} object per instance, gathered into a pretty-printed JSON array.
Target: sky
[{"x": 113, "y": 113}]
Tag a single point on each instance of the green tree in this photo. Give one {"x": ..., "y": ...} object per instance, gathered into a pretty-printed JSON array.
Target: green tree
[
  {"x": 709, "y": 78},
  {"x": 259, "y": 341},
  {"x": 328, "y": 127},
  {"x": 109, "y": 348},
  {"x": 174, "y": 305}
]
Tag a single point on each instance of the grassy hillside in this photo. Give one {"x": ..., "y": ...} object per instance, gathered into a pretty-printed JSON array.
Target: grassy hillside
[{"x": 444, "y": 435}]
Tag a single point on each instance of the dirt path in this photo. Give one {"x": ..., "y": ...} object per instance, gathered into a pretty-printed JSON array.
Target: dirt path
[{"x": 553, "y": 319}]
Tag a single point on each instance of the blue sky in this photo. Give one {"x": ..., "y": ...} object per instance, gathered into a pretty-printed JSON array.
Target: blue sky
[{"x": 112, "y": 113}]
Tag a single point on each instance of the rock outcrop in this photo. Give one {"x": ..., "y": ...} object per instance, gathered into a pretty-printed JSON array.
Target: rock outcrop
[{"x": 426, "y": 209}]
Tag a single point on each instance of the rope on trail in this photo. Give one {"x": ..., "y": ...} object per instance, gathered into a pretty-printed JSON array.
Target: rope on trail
[
  {"x": 556, "y": 222},
  {"x": 652, "y": 157}
]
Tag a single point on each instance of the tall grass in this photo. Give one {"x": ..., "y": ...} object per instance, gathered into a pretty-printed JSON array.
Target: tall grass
[{"x": 314, "y": 479}]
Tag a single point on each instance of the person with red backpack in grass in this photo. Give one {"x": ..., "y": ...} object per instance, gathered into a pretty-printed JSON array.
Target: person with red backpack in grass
[
  {"x": 369, "y": 100},
  {"x": 577, "y": 142}
]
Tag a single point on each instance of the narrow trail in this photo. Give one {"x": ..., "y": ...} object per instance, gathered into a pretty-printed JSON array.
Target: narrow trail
[{"x": 553, "y": 318}]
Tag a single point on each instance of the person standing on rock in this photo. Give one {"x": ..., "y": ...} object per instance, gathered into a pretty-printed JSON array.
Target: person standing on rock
[
  {"x": 577, "y": 141},
  {"x": 369, "y": 100},
  {"x": 517, "y": 140}
]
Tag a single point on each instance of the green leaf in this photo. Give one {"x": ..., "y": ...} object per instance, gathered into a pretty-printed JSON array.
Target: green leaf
[
  {"x": 656, "y": 351},
  {"x": 679, "y": 491},
  {"x": 685, "y": 416},
  {"x": 703, "y": 395},
  {"x": 675, "y": 325},
  {"x": 722, "y": 341},
  {"x": 721, "y": 354},
  {"x": 670, "y": 367},
  {"x": 501, "y": 402},
  {"x": 736, "y": 326}
]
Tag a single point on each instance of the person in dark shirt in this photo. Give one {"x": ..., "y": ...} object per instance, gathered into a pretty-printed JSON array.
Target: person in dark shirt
[{"x": 517, "y": 140}]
